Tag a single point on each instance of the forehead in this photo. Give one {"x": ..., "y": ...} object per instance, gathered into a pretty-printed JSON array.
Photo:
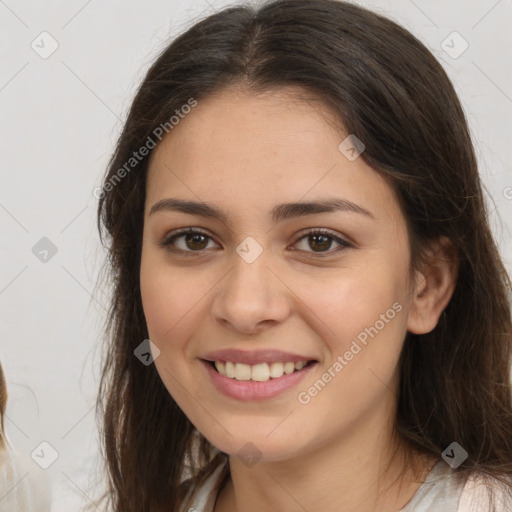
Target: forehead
[
  {"x": 242, "y": 148},
  {"x": 239, "y": 124}
]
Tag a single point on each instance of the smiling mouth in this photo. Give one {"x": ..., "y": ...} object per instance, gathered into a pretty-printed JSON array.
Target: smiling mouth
[{"x": 261, "y": 372}]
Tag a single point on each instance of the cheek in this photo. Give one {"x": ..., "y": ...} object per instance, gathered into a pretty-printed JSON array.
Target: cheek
[
  {"x": 169, "y": 297},
  {"x": 361, "y": 320},
  {"x": 345, "y": 304},
  {"x": 170, "y": 303}
]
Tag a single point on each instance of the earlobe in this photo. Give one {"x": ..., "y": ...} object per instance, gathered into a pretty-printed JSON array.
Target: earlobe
[{"x": 434, "y": 287}]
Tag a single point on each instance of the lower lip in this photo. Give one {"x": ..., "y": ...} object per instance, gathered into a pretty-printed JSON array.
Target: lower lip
[{"x": 250, "y": 390}]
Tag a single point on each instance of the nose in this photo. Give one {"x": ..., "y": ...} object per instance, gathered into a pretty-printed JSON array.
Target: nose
[{"x": 252, "y": 297}]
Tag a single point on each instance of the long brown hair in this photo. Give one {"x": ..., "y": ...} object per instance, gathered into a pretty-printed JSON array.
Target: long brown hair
[{"x": 388, "y": 90}]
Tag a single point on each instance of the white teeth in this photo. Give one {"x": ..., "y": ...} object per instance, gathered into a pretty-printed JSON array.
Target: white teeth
[
  {"x": 230, "y": 369},
  {"x": 289, "y": 368},
  {"x": 242, "y": 371},
  {"x": 258, "y": 372},
  {"x": 276, "y": 370}
]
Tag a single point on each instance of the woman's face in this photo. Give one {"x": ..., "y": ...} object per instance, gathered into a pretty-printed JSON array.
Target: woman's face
[{"x": 258, "y": 176}]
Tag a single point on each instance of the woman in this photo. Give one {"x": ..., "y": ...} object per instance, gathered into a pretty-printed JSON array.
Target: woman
[
  {"x": 24, "y": 487},
  {"x": 298, "y": 240}
]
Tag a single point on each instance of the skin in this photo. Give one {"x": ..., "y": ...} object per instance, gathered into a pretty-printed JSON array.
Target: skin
[{"x": 246, "y": 153}]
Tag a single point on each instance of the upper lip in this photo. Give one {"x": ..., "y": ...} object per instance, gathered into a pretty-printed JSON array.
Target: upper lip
[{"x": 254, "y": 356}]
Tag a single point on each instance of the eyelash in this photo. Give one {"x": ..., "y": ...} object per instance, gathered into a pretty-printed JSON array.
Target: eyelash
[{"x": 167, "y": 242}]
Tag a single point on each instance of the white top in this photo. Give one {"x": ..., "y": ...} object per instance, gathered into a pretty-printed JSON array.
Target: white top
[
  {"x": 24, "y": 486},
  {"x": 440, "y": 492}
]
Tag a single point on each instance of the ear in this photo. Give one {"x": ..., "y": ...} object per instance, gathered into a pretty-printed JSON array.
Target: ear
[{"x": 434, "y": 286}]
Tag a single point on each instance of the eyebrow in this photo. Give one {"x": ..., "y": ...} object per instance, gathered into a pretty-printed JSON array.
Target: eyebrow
[{"x": 279, "y": 213}]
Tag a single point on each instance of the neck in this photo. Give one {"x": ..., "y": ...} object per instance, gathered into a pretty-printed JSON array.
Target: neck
[{"x": 364, "y": 471}]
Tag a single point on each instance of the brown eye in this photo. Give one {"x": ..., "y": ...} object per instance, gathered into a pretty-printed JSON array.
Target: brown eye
[
  {"x": 321, "y": 242},
  {"x": 195, "y": 241},
  {"x": 187, "y": 241}
]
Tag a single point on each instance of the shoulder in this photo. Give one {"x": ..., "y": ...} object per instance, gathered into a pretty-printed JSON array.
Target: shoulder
[
  {"x": 482, "y": 493},
  {"x": 200, "y": 494}
]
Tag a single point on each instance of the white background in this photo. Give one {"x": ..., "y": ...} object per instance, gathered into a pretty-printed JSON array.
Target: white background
[{"x": 60, "y": 118}]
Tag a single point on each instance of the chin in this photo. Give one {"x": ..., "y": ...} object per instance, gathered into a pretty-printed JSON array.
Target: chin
[{"x": 256, "y": 448}]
